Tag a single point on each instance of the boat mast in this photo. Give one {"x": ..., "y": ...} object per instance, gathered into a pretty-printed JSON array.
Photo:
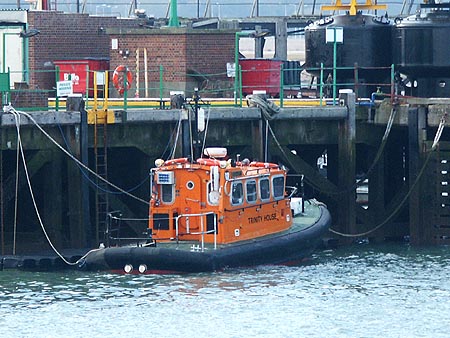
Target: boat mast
[{"x": 197, "y": 145}]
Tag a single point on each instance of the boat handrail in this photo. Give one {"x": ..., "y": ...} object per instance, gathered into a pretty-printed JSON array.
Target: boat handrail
[
  {"x": 202, "y": 232},
  {"x": 241, "y": 207},
  {"x": 292, "y": 190},
  {"x": 241, "y": 178}
]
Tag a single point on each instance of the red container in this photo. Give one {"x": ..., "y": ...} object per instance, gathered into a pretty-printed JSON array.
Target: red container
[
  {"x": 77, "y": 70},
  {"x": 261, "y": 74}
]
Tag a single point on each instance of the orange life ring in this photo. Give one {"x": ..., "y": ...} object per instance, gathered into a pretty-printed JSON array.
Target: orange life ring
[
  {"x": 118, "y": 78},
  {"x": 176, "y": 161},
  {"x": 208, "y": 161},
  {"x": 265, "y": 165}
]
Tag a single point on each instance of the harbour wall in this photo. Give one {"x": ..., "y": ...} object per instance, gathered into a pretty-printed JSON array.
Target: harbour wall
[{"x": 385, "y": 176}]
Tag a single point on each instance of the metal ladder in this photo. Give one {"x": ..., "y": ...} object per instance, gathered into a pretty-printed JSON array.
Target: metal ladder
[
  {"x": 98, "y": 116},
  {"x": 101, "y": 168}
]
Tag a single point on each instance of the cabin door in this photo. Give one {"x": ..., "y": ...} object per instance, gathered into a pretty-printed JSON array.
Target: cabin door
[{"x": 191, "y": 199}]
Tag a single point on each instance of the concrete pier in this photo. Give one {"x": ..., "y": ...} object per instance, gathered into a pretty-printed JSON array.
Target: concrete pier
[{"x": 407, "y": 197}]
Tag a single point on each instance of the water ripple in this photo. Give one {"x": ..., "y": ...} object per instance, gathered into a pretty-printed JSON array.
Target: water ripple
[{"x": 362, "y": 291}]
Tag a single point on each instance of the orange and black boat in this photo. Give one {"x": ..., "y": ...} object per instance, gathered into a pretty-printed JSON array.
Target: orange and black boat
[
  {"x": 214, "y": 212},
  {"x": 211, "y": 214}
]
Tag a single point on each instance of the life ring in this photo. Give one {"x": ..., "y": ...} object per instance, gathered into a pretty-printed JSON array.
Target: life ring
[
  {"x": 118, "y": 80},
  {"x": 208, "y": 161},
  {"x": 266, "y": 165},
  {"x": 180, "y": 160}
]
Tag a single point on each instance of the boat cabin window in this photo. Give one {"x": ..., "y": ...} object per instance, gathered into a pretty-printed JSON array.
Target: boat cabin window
[
  {"x": 278, "y": 187},
  {"x": 264, "y": 189},
  {"x": 161, "y": 222},
  {"x": 167, "y": 193},
  {"x": 237, "y": 193},
  {"x": 250, "y": 187}
]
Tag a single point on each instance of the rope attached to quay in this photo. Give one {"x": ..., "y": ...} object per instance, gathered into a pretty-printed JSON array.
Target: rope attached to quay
[
  {"x": 11, "y": 110},
  {"x": 405, "y": 198},
  {"x": 20, "y": 153},
  {"x": 268, "y": 111}
]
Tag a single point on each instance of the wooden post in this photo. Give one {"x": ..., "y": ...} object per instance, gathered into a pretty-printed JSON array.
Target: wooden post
[
  {"x": 78, "y": 185},
  {"x": 258, "y": 138},
  {"x": 84, "y": 182},
  {"x": 281, "y": 39},
  {"x": 346, "y": 166},
  {"x": 259, "y": 43},
  {"x": 416, "y": 122},
  {"x": 376, "y": 189},
  {"x": 53, "y": 208},
  {"x": 185, "y": 138},
  {"x": 75, "y": 187},
  {"x": 2, "y": 210}
]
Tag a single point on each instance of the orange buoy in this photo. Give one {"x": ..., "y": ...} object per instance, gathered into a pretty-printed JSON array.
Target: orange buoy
[
  {"x": 265, "y": 165},
  {"x": 118, "y": 78},
  {"x": 180, "y": 160},
  {"x": 208, "y": 161}
]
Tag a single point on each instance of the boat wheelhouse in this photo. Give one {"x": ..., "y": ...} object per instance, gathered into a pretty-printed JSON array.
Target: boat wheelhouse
[{"x": 217, "y": 201}]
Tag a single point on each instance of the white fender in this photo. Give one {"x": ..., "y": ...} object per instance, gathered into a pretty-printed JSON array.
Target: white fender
[
  {"x": 214, "y": 176},
  {"x": 201, "y": 120}
]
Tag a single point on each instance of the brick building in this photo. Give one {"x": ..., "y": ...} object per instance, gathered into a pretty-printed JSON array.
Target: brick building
[
  {"x": 60, "y": 36},
  {"x": 189, "y": 58}
]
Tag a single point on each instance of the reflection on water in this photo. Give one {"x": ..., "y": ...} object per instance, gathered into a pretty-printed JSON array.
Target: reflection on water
[{"x": 363, "y": 291}]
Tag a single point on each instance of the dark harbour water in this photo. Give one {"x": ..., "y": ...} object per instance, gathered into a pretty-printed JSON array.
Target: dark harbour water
[{"x": 358, "y": 291}]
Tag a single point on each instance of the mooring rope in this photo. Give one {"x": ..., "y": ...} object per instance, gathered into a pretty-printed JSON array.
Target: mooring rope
[
  {"x": 268, "y": 108},
  {"x": 394, "y": 212},
  {"x": 10, "y": 109},
  {"x": 377, "y": 158},
  {"x": 170, "y": 142},
  {"x": 380, "y": 149},
  {"x": 439, "y": 131},
  {"x": 86, "y": 176},
  {"x": 177, "y": 135},
  {"x": 33, "y": 199},
  {"x": 405, "y": 198}
]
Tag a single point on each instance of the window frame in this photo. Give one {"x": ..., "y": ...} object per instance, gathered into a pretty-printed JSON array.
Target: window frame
[
  {"x": 276, "y": 186},
  {"x": 241, "y": 198},
  {"x": 162, "y": 193},
  {"x": 255, "y": 193},
  {"x": 260, "y": 181}
]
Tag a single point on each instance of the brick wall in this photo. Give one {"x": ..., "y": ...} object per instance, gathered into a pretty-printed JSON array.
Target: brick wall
[
  {"x": 66, "y": 36},
  {"x": 220, "y": 50},
  {"x": 189, "y": 58},
  {"x": 27, "y": 99}
]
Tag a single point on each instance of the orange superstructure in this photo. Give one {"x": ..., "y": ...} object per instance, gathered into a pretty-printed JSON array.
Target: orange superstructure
[{"x": 217, "y": 201}]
